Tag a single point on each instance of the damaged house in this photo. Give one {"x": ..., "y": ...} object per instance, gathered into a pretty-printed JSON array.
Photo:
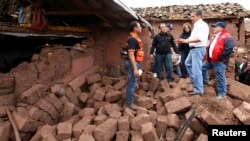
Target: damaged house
[
  {"x": 232, "y": 14},
  {"x": 101, "y": 25},
  {"x": 60, "y": 78}
]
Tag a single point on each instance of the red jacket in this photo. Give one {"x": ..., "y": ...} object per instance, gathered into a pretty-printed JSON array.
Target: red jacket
[{"x": 219, "y": 46}]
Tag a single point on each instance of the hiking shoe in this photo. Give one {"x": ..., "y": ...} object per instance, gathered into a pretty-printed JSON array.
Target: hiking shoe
[
  {"x": 132, "y": 106},
  {"x": 193, "y": 93},
  {"x": 220, "y": 97},
  {"x": 208, "y": 83}
]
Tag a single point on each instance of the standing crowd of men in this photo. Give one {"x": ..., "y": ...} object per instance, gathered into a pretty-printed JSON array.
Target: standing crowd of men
[{"x": 195, "y": 55}]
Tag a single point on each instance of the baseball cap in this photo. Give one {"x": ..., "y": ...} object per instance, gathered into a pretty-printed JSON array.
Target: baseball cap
[
  {"x": 219, "y": 24},
  {"x": 170, "y": 26}
]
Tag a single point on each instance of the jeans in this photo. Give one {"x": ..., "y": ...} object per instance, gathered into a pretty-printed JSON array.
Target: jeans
[
  {"x": 177, "y": 70},
  {"x": 165, "y": 59},
  {"x": 131, "y": 81},
  {"x": 219, "y": 70},
  {"x": 194, "y": 68},
  {"x": 184, "y": 55}
]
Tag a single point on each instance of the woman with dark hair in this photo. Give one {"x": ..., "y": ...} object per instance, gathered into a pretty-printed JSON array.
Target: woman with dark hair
[{"x": 184, "y": 48}]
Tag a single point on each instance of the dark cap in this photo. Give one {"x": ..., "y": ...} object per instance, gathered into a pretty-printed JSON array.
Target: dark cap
[
  {"x": 219, "y": 24},
  {"x": 169, "y": 26}
]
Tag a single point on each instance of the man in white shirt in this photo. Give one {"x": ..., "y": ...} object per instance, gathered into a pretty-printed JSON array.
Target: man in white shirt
[{"x": 197, "y": 41}]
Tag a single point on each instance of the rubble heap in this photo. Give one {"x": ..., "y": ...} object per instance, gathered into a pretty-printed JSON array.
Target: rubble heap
[{"x": 47, "y": 105}]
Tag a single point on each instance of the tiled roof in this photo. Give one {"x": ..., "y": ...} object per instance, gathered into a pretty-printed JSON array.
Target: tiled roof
[{"x": 182, "y": 12}]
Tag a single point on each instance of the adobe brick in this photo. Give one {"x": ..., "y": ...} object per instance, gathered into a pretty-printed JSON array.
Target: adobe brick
[
  {"x": 209, "y": 118},
  {"x": 182, "y": 84},
  {"x": 46, "y": 118},
  {"x": 113, "y": 96},
  {"x": 148, "y": 132},
  {"x": 64, "y": 131},
  {"x": 157, "y": 94},
  {"x": 145, "y": 86},
  {"x": 177, "y": 105},
  {"x": 93, "y": 78},
  {"x": 92, "y": 70},
  {"x": 67, "y": 140},
  {"x": 34, "y": 113},
  {"x": 242, "y": 113},
  {"x": 122, "y": 136},
  {"x": 106, "y": 131},
  {"x": 149, "y": 94},
  {"x": 174, "y": 121},
  {"x": 202, "y": 137},
  {"x": 93, "y": 88},
  {"x": 73, "y": 119},
  {"x": 144, "y": 77},
  {"x": 136, "y": 137},
  {"x": 100, "y": 119},
  {"x": 91, "y": 102},
  {"x": 43, "y": 132},
  {"x": 25, "y": 124},
  {"x": 145, "y": 102},
  {"x": 141, "y": 110},
  {"x": 68, "y": 110},
  {"x": 154, "y": 84},
  {"x": 164, "y": 86},
  {"x": 47, "y": 107},
  {"x": 86, "y": 137},
  {"x": 109, "y": 108},
  {"x": 33, "y": 94},
  {"x": 190, "y": 87},
  {"x": 73, "y": 95},
  {"x": 161, "y": 126},
  {"x": 56, "y": 102},
  {"x": 79, "y": 126},
  {"x": 115, "y": 114},
  {"x": 99, "y": 94},
  {"x": 120, "y": 84},
  {"x": 141, "y": 92},
  {"x": 55, "y": 88},
  {"x": 5, "y": 130},
  {"x": 64, "y": 99},
  {"x": 98, "y": 105},
  {"x": 84, "y": 97},
  {"x": 161, "y": 111},
  {"x": 123, "y": 124},
  {"x": 170, "y": 134},
  {"x": 153, "y": 116},
  {"x": 89, "y": 129},
  {"x": 7, "y": 100},
  {"x": 106, "y": 80},
  {"x": 86, "y": 112},
  {"x": 5, "y": 91},
  {"x": 6, "y": 80},
  {"x": 138, "y": 120},
  {"x": 188, "y": 135},
  {"x": 49, "y": 138},
  {"x": 128, "y": 112},
  {"x": 169, "y": 96},
  {"x": 196, "y": 125},
  {"x": 78, "y": 82},
  {"x": 109, "y": 88}
]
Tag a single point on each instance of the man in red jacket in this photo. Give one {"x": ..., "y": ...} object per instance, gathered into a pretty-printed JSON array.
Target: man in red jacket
[{"x": 217, "y": 57}]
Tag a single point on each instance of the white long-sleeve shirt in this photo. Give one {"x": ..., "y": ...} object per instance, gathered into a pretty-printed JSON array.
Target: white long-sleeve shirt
[{"x": 200, "y": 31}]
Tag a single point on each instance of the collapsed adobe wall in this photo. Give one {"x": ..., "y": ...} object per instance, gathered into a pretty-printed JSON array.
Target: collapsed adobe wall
[{"x": 57, "y": 99}]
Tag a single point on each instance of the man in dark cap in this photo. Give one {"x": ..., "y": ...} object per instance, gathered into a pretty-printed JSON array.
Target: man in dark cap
[{"x": 217, "y": 57}]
